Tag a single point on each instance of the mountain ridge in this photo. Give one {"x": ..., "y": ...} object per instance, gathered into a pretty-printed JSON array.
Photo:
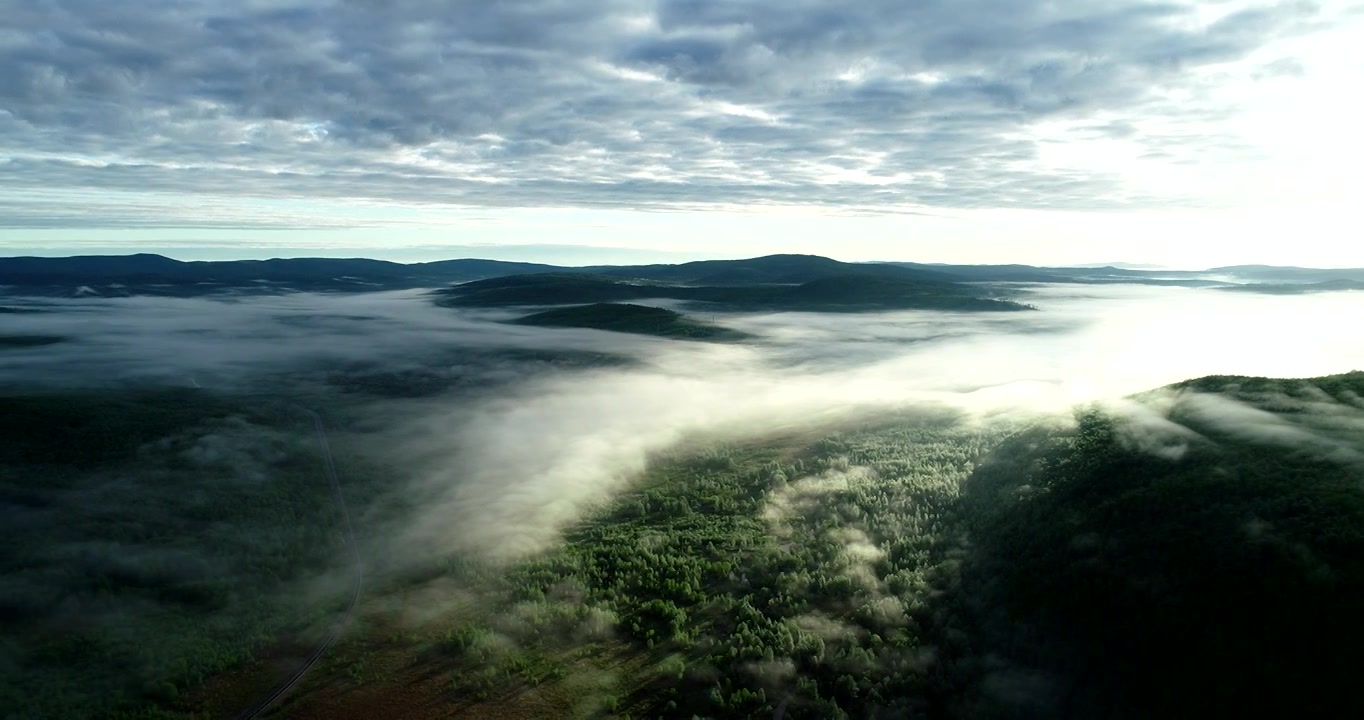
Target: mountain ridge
[{"x": 152, "y": 274}]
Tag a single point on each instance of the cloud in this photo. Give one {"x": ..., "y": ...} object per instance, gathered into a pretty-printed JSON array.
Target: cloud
[
  {"x": 500, "y": 437},
  {"x": 1146, "y": 427},
  {"x": 1325, "y": 429},
  {"x": 226, "y": 343},
  {"x": 876, "y": 105}
]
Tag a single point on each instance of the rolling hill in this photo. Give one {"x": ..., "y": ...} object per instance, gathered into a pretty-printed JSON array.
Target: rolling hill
[
  {"x": 627, "y": 318},
  {"x": 769, "y": 270},
  {"x": 148, "y": 274},
  {"x": 834, "y": 293},
  {"x": 1214, "y": 571},
  {"x": 1339, "y": 285}
]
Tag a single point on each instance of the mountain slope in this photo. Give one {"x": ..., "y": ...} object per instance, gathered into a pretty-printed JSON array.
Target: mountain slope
[
  {"x": 146, "y": 274},
  {"x": 769, "y": 269},
  {"x": 637, "y": 319},
  {"x": 1083, "y": 275},
  {"x": 1201, "y": 558},
  {"x": 837, "y": 293},
  {"x": 1297, "y": 288}
]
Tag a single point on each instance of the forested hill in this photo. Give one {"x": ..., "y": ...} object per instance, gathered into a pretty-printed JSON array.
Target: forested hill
[
  {"x": 158, "y": 275},
  {"x": 624, "y": 317},
  {"x": 1202, "y": 560},
  {"x": 1202, "y": 557},
  {"x": 1196, "y": 552},
  {"x": 148, "y": 274},
  {"x": 771, "y": 270},
  {"x": 835, "y": 293},
  {"x": 1340, "y": 285}
]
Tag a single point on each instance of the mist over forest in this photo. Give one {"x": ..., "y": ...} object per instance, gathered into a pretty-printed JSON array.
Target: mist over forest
[
  {"x": 681, "y": 359},
  {"x": 928, "y": 498}
]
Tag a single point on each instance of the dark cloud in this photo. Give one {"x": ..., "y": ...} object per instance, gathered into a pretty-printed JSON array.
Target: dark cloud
[{"x": 620, "y": 104}]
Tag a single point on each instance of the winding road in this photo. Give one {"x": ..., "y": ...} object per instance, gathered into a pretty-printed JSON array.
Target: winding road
[{"x": 339, "y": 627}]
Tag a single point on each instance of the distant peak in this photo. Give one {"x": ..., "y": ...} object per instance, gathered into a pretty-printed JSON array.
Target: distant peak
[{"x": 793, "y": 256}]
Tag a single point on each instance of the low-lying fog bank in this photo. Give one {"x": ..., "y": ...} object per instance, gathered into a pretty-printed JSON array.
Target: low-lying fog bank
[{"x": 503, "y": 454}]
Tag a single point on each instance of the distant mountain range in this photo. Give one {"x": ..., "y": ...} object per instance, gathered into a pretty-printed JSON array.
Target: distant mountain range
[
  {"x": 115, "y": 275},
  {"x": 1307, "y": 288},
  {"x": 637, "y": 319},
  {"x": 858, "y": 290},
  {"x": 146, "y": 274}
]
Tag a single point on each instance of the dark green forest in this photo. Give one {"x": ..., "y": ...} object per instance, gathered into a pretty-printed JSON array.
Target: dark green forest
[
  {"x": 1219, "y": 581},
  {"x": 625, "y": 317},
  {"x": 148, "y": 274},
  {"x": 156, "y": 275},
  {"x": 1197, "y": 552},
  {"x": 752, "y": 575},
  {"x": 152, "y": 540},
  {"x": 857, "y": 290},
  {"x": 929, "y": 567}
]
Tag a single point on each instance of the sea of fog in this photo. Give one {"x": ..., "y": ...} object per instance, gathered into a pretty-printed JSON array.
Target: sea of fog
[{"x": 510, "y": 467}]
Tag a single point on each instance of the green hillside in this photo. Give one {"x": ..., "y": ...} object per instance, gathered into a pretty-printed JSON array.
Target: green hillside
[
  {"x": 785, "y": 269},
  {"x": 1202, "y": 558},
  {"x": 544, "y": 289},
  {"x": 148, "y": 274},
  {"x": 154, "y": 539},
  {"x": 834, "y": 293},
  {"x": 627, "y": 318},
  {"x": 1217, "y": 574},
  {"x": 927, "y": 568}
]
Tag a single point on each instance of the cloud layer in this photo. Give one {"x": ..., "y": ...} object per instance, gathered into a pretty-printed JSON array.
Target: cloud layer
[
  {"x": 878, "y": 105},
  {"x": 502, "y": 438}
]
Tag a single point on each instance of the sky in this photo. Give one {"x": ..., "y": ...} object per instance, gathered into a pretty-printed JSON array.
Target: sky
[{"x": 1186, "y": 134}]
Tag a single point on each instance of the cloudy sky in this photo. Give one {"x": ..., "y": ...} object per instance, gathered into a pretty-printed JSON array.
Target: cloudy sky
[{"x": 1066, "y": 131}]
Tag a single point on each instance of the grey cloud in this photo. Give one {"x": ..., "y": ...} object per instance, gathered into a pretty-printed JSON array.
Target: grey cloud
[{"x": 688, "y": 103}]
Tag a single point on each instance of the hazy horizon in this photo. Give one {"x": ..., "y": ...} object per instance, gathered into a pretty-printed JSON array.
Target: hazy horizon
[{"x": 562, "y": 255}]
